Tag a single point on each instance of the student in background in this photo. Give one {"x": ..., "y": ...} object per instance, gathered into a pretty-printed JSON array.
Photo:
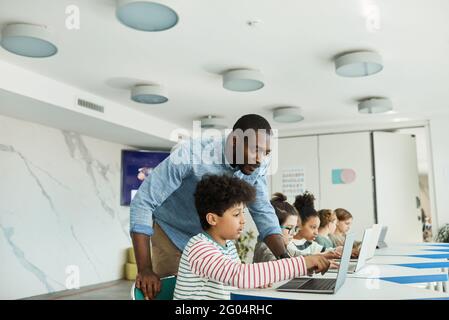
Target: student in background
[
  {"x": 328, "y": 225},
  {"x": 343, "y": 226},
  {"x": 304, "y": 240},
  {"x": 288, "y": 220},
  {"x": 210, "y": 267}
]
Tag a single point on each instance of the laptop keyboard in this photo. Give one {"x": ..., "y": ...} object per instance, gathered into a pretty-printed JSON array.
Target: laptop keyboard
[{"x": 318, "y": 284}]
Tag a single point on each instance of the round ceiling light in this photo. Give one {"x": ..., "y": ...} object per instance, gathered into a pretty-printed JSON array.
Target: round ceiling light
[
  {"x": 148, "y": 94},
  {"x": 358, "y": 64},
  {"x": 287, "y": 115},
  {"x": 28, "y": 40},
  {"x": 375, "y": 105},
  {"x": 242, "y": 80},
  {"x": 146, "y": 15},
  {"x": 212, "y": 122}
]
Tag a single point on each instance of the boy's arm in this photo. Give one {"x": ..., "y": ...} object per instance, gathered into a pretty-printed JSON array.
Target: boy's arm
[{"x": 207, "y": 261}]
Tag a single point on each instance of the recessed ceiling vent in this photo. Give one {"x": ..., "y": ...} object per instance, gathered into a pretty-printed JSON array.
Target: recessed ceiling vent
[{"x": 90, "y": 105}]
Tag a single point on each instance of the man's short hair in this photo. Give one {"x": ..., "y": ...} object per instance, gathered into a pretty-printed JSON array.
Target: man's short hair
[{"x": 252, "y": 121}]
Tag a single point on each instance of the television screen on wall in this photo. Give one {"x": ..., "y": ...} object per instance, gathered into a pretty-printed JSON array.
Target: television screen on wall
[{"x": 136, "y": 166}]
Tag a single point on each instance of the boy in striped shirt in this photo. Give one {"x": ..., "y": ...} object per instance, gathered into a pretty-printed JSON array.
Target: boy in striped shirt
[{"x": 210, "y": 267}]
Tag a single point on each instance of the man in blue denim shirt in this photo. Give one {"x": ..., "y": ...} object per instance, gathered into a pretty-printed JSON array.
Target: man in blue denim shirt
[{"x": 164, "y": 207}]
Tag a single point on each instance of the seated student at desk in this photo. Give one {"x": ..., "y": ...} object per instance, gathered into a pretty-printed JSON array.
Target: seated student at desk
[
  {"x": 328, "y": 224},
  {"x": 344, "y": 224},
  {"x": 304, "y": 240},
  {"x": 288, "y": 220},
  {"x": 210, "y": 267}
]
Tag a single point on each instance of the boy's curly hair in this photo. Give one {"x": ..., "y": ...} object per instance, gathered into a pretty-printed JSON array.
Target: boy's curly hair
[{"x": 217, "y": 194}]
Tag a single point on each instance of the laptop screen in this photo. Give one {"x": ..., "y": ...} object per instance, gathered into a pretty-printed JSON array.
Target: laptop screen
[
  {"x": 366, "y": 241},
  {"x": 344, "y": 262},
  {"x": 383, "y": 234},
  {"x": 374, "y": 239}
]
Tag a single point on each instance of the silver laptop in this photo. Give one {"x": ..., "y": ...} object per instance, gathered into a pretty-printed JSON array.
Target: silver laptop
[
  {"x": 383, "y": 233},
  {"x": 360, "y": 262},
  {"x": 372, "y": 242},
  {"x": 322, "y": 285},
  {"x": 377, "y": 228}
]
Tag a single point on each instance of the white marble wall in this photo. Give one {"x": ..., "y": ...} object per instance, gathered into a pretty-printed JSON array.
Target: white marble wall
[{"x": 59, "y": 206}]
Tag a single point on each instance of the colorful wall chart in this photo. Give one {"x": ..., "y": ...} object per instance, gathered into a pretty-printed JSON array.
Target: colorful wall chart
[{"x": 343, "y": 176}]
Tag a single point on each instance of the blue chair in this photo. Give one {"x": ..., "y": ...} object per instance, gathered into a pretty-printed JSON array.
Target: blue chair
[{"x": 167, "y": 289}]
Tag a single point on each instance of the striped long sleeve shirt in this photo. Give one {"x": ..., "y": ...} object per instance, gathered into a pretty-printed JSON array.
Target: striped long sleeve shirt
[{"x": 208, "y": 270}]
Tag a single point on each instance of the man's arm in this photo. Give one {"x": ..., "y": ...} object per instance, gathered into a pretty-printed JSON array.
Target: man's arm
[
  {"x": 266, "y": 220},
  {"x": 146, "y": 279},
  {"x": 156, "y": 188},
  {"x": 276, "y": 244}
]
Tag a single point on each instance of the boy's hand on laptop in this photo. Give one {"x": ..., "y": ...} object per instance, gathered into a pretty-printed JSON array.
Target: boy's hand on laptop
[
  {"x": 149, "y": 282},
  {"x": 316, "y": 263}
]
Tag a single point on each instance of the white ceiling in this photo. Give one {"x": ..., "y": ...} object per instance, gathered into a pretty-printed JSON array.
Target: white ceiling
[{"x": 293, "y": 45}]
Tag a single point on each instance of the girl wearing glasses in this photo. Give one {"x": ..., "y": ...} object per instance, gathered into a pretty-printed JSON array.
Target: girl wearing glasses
[{"x": 288, "y": 220}]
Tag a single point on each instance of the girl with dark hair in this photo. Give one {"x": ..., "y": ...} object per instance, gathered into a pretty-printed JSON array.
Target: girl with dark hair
[{"x": 304, "y": 240}]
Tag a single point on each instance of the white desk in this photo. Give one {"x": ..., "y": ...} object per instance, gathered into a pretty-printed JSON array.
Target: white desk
[
  {"x": 400, "y": 275},
  {"x": 383, "y": 270},
  {"x": 437, "y": 245},
  {"x": 398, "y": 259},
  {"x": 438, "y": 255},
  {"x": 412, "y": 251},
  {"x": 353, "y": 289}
]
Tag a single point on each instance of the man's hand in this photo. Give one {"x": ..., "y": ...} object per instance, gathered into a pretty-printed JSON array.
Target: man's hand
[
  {"x": 146, "y": 280},
  {"x": 316, "y": 263},
  {"x": 149, "y": 282}
]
